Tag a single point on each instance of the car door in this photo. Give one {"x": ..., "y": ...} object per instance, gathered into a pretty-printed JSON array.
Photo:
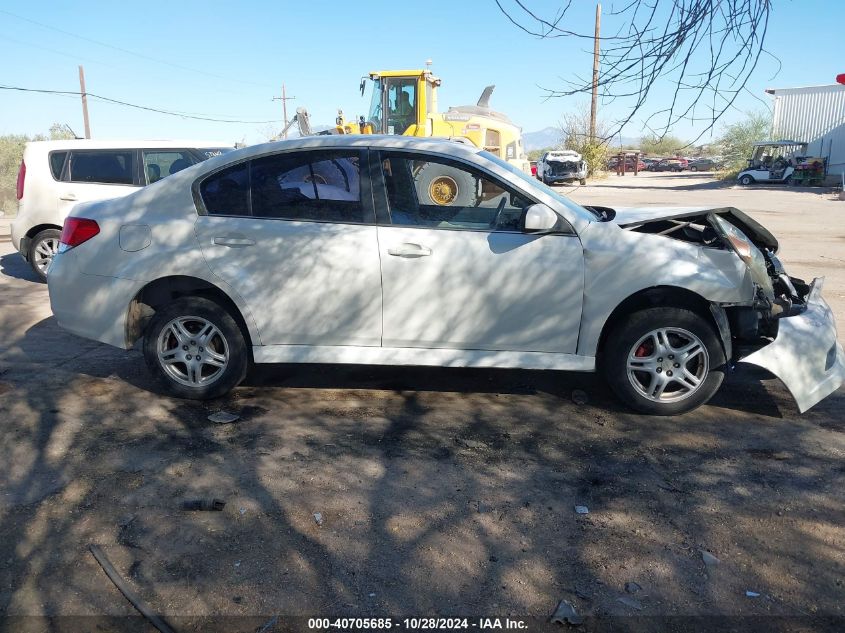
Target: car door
[
  {"x": 95, "y": 175},
  {"x": 294, "y": 236},
  {"x": 456, "y": 270}
]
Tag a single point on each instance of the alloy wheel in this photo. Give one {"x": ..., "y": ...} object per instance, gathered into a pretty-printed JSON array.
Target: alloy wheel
[
  {"x": 192, "y": 351},
  {"x": 44, "y": 252},
  {"x": 668, "y": 365}
]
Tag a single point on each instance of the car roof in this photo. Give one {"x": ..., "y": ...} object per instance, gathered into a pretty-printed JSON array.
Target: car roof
[
  {"x": 82, "y": 143},
  {"x": 386, "y": 141}
]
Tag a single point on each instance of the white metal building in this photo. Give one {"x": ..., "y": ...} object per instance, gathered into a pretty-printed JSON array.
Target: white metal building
[{"x": 815, "y": 115}]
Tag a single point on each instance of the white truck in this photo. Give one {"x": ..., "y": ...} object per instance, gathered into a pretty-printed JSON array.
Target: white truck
[{"x": 562, "y": 166}]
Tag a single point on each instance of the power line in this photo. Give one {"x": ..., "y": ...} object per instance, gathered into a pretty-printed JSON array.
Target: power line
[
  {"x": 129, "y": 52},
  {"x": 133, "y": 105}
]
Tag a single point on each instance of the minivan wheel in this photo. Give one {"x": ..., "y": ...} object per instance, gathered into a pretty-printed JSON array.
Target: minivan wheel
[
  {"x": 195, "y": 349},
  {"x": 664, "y": 361},
  {"x": 42, "y": 249}
]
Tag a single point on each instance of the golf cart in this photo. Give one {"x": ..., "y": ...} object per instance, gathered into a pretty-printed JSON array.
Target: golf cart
[{"x": 773, "y": 161}]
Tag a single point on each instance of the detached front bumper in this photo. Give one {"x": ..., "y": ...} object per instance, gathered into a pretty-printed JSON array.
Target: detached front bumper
[{"x": 806, "y": 355}]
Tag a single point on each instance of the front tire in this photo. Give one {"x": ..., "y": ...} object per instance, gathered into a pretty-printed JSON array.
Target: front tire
[
  {"x": 746, "y": 180},
  {"x": 195, "y": 349},
  {"x": 583, "y": 181},
  {"x": 664, "y": 361},
  {"x": 42, "y": 249}
]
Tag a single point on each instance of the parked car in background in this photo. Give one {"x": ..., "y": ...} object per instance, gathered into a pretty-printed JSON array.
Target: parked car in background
[
  {"x": 56, "y": 175},
  {"x": 562, "y": 166},
  {"x": 669, "y": 164},
  {"x": 629, "y": 163},
  {"x": 403, "y": 251},
  {"x": 704, "y": 164}
]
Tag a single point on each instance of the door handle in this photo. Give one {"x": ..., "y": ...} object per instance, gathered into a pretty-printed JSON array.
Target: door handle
[
  {"x": 233, "y": 242},
  {"x": 408, "y": 249},
  {"x": 69, "y": 197}
]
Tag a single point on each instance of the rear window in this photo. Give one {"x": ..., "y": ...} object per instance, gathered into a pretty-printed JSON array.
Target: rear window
[
  {"x": 110, "y": 167},
  {"x": 57, "y": 164},
  {"x": 227, "y": 191}
]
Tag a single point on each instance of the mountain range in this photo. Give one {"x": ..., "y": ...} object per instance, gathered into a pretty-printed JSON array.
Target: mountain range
[{"x": 551, "y": 137}]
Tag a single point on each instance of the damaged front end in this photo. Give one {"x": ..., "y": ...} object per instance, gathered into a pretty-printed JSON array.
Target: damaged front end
[
  {"x": 786, "y": 327},
  {"x": 566, "y": 169}
]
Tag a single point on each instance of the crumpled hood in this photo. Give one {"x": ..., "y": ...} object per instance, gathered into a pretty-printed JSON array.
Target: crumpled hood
[{"x": 634, "y": 216}]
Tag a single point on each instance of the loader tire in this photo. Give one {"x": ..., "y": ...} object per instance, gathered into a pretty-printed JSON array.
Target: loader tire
[{"x": 445, "y": 186}]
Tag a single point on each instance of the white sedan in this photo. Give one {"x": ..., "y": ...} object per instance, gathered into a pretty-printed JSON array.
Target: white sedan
[{"x": 402, "y": 251}]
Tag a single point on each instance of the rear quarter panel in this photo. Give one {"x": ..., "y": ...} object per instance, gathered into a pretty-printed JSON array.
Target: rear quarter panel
[{"x": 167, "y": 209}]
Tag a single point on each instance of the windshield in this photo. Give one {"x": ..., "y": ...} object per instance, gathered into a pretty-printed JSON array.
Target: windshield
[{"x": 533, "y": 182}]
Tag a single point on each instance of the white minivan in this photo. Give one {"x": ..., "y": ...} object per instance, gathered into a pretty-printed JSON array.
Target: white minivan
[{"x": 56, "y": 175}]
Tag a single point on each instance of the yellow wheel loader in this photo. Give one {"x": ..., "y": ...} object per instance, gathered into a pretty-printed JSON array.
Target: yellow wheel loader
[{"x": 405, "y": 102}]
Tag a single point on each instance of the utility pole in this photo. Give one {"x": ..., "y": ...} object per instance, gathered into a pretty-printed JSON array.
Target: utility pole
[
  {"x": 594, "y": 104},
  {"x": 84, "y": 101},
  {"x": 284, "y": 99}
]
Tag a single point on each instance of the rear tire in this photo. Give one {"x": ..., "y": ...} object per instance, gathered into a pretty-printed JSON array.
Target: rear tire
[
  {"x": 195, "y": 349},
  {"x": 583, "y": 181},
  {"x": 664, "y": 361},
  {"x": 42, "y": 249}
]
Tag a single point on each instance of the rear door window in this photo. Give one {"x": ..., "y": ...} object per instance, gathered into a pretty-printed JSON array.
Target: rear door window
[
  {"x": 321, "y": 186},
  {"x": 110, "y": 167},
  {"x": 159, "y": 164}
]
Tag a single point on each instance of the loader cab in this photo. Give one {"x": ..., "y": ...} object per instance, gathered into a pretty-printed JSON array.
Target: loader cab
[{"x": 401, "y": 101}]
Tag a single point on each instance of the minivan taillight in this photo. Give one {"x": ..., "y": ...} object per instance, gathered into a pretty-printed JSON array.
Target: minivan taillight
[
  {"x": 21, "y": 178},
  {"x": 76, "y": 231}
]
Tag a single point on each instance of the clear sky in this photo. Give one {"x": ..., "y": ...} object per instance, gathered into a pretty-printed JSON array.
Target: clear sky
[{"x": 229, "y": 59}]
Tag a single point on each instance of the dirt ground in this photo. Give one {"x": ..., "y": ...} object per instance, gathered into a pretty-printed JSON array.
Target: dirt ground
[{"x": 440, "y": 492}]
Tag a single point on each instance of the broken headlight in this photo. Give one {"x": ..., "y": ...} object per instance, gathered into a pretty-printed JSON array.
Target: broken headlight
[{"x": 748, "y": 253}]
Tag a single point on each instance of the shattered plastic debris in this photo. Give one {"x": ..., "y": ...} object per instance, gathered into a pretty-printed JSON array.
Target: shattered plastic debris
[
  {"x": 709, "y": 559},
  {"x": 318, "y": 518},
  {"x": 223, "y": 417},
  {"x": 752, "y": 594},
  {"x": 582, "y": 510},
  {"x": 631, "y": 602},
  {"x": 566, "y": 613},
  {"x": 579, "y": 396}
]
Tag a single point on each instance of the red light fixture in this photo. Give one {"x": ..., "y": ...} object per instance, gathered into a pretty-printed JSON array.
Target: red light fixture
[
  {"x": 21, "y": 179},
  {"x": 840, "y": 78},
  {"x": 78, "y": 230}
]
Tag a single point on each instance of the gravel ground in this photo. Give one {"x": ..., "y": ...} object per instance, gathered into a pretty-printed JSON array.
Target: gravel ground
[{"x": 440, "y": 492}]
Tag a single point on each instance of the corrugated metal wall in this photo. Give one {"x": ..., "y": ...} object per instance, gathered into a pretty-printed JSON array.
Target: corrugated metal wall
[{"x": 815, "y": 115}]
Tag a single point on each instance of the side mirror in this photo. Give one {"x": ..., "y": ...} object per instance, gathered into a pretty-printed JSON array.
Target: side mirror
[{"x": 538, "y": 218}]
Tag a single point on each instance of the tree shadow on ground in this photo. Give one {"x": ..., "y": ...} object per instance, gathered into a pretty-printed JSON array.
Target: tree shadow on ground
[{"x": 439, "y": 492}]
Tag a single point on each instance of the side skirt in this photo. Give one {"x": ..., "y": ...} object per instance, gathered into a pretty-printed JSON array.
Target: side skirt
[{"x": 352, "y": 355}]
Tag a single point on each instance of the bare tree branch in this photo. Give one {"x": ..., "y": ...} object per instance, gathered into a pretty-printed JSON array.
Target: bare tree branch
[{"x": 706, "y": 49}]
